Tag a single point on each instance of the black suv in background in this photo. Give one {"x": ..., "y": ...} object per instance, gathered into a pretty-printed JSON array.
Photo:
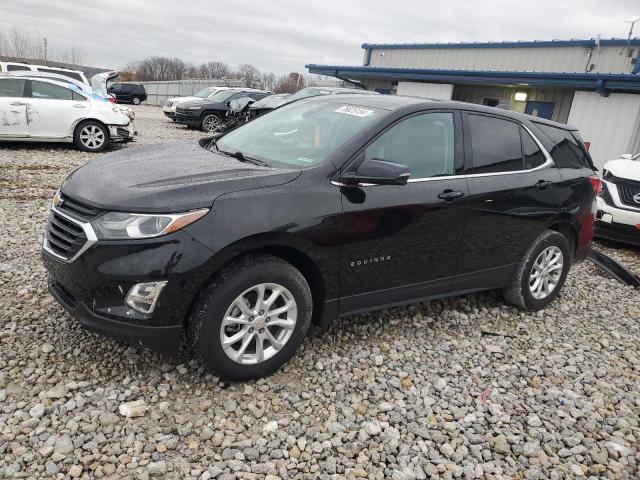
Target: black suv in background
[
  {"x": 208, "y": 114},
  {"x": 330, "y": 206},
  {"x": 128, "y": 92}
]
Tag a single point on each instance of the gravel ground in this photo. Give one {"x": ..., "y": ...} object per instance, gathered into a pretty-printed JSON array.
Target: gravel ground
[{"x": 460, "y": 388}]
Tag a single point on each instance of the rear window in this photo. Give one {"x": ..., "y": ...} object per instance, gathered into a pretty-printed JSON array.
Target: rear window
[
  {"x": 11, "y": 87},
  {"x": 533, "y": 156},
  {"x": 50, "y": 91},
  {"x": 567, "y": 151}
]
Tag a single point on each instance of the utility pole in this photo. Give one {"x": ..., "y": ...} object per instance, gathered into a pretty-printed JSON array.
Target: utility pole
[
  {"x": 632, "y": 21},
  {"x": 46, "y": 44}
]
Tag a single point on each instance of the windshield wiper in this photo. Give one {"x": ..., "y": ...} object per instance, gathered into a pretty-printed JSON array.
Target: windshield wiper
[{"x": 242, "y": 158}]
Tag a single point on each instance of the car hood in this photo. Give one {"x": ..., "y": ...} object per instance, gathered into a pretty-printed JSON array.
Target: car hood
[
  {"x": 621, "y": 168},
  {"x": 175, "y": 100},
  {"x": 169, "y": 177}
]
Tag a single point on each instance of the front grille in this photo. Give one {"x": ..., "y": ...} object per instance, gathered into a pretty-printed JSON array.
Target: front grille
[
  {"x": 78, "y": 210},
  {"x": 64, "y": 237},
  {"x": 627, "y": 191}
]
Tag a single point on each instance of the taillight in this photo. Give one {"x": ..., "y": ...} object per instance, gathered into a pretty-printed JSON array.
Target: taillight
[
  {"x": 111, "y": 100},
  {"x": 596, "y": 184}
]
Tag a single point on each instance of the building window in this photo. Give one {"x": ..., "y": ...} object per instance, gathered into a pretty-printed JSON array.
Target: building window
[{"x": 491, "y": 102}]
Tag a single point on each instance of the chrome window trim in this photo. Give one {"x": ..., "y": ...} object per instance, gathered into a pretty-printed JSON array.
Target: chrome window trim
[
  {"x": 88, "y": 231},
  {"x": 615, "y": 196},
  {"x": 548, "y": 163}
]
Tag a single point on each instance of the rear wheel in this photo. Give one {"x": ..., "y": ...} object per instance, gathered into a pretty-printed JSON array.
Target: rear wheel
[
  {"x": 252, "y": 318},
  {"x": 91, "y": 136},
  {"x": 136, "y": 101},
  {"x": 210, "y": 123},
  {"x": 540, "y": 277}
]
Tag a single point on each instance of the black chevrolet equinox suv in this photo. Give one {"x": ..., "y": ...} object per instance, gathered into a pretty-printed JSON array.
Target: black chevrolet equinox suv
[{"x": 325, "y": 207}]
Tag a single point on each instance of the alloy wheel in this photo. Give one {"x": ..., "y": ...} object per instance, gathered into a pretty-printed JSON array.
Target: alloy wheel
[
  {"x": 546, "y": 272},
  {"x": 92, "y": 137},
  {"x": 211, "y": 123},
  {"x": 258, "y": 323}
]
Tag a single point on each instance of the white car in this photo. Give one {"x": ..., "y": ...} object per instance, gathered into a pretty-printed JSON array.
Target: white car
[
  {"x": 28, "y": 67},
  {"x": 48, "y": 109},
  {"x": 618, "y": 215},
  {"x": 169, "y": 107}
]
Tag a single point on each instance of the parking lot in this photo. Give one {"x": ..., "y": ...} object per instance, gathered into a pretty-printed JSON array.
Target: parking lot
[{"x": 459, "y": 388}]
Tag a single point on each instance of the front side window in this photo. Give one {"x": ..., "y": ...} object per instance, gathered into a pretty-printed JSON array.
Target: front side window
[
  {"x": 50, "y": 91},
  {"x": 302, "y": 134},
  {"x": 495, "y": 144},
  {"x": 424, "y": 143},
  {"x": 11, "y": 87}
]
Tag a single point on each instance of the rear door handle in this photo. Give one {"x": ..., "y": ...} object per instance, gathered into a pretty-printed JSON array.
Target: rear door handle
[
  {"x": 450, "y": 195},
  {"x": 17, "y": 104},
  {"x": 78, "y": 105},
  {"x": 542, "y": 184}
]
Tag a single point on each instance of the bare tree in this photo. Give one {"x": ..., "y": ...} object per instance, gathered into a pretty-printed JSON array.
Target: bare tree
[
  {"x": 213, "y": 70},
  {"x": 289, "y": 83},
  {"x": 269, "y": 81},
  {"x": 250, "y": 74},
  {"x": 24, "y": 45},
  {"x": 159, "y": 68}
]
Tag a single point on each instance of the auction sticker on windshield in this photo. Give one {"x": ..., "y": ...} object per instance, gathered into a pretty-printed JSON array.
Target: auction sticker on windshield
[{"x": 355, "y": 111}]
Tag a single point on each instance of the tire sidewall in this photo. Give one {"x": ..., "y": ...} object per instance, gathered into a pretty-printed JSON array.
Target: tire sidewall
[
  {"x": 552, "y": 239},
  {"x": 78, "y": 143},
  {"x": 219, "y": 297}
]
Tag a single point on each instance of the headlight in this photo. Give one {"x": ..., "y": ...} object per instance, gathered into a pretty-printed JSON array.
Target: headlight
[
  {"x": 118, "y": 225},
  {"x": 194, "y": 108}
]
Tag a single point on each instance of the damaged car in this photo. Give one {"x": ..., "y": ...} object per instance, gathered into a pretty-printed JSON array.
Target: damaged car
[
  {"x": 619, "y": 202},
  {"x": 52, "y": 109}
]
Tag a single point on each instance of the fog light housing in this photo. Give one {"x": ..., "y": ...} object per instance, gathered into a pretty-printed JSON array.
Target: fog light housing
[{"x": 142, "y": 297}]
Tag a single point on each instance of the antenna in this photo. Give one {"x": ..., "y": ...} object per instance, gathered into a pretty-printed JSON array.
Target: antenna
[{"x": 632, "y": 21}]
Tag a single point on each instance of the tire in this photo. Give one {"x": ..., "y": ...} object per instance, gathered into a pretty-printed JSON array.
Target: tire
[
  {"x": 527, "y": 293},
  {"x": 216, "y": 310},
  {"x": 210, "y": 123},
  {"x": 91, "y": 136},
  {"x": 135, "y": 101}
]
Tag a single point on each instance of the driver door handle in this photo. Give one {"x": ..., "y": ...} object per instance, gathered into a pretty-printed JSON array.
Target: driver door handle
[
  {"x": 543, "y": 184},
  {"x": 450, "y": 195}
]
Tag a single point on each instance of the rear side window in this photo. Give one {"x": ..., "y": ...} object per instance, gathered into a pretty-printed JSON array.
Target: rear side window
[
  {"x": 11, "y": 87},
  {"x": 50, "y": 91},
  {"x": 495, "y": 144},
  {"x": 567, "y": 152},
  {"x": 17, "y": 68},
  {"x": 74, "y": 75},
  {"x": 424, "y": 143},
  {"x": 533, "y": 156}
]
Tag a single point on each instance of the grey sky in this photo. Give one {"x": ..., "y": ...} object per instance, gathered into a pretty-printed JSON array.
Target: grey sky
[{"x": 281, "y": 36}]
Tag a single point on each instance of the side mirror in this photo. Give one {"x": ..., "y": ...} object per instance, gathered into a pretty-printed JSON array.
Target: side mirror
[
  {"x": 626, "y": 156},
  {"x": 378, "y": 172}
]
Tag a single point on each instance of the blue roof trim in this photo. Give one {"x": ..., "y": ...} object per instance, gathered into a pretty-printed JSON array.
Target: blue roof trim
[
  {"x": 589, "y": 81},
  {"x": 519, "y": 44}
]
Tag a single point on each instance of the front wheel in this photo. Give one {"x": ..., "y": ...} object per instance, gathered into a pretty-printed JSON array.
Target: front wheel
[
  {"x": 252, "y": 318},
  {"x": 210, "y": 123},
  {"x": 540, "y": 277},
  {"x": 91, "y": 136}
]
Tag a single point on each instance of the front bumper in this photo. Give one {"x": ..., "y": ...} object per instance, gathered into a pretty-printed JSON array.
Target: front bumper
[
  {"x": 188, "y": 118},
  {"x": 122, "y": 133},
  {"x": 93, "y": 287},
  {"x": 616, "y": 223}
]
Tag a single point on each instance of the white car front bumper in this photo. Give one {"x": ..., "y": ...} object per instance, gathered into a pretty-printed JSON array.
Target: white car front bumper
[{"x": 616, "y": 219}]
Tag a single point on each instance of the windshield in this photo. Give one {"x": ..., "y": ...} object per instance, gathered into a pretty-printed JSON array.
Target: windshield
[
  {"x": 308, "y": 92},
  {"x": 205, "y": 92},
  {"x": 222, "y": 95},
  {"x": 302, "y": 134}
]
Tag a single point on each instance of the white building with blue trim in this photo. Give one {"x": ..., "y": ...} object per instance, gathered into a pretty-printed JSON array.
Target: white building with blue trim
[{"x": 591, "y": 84}]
